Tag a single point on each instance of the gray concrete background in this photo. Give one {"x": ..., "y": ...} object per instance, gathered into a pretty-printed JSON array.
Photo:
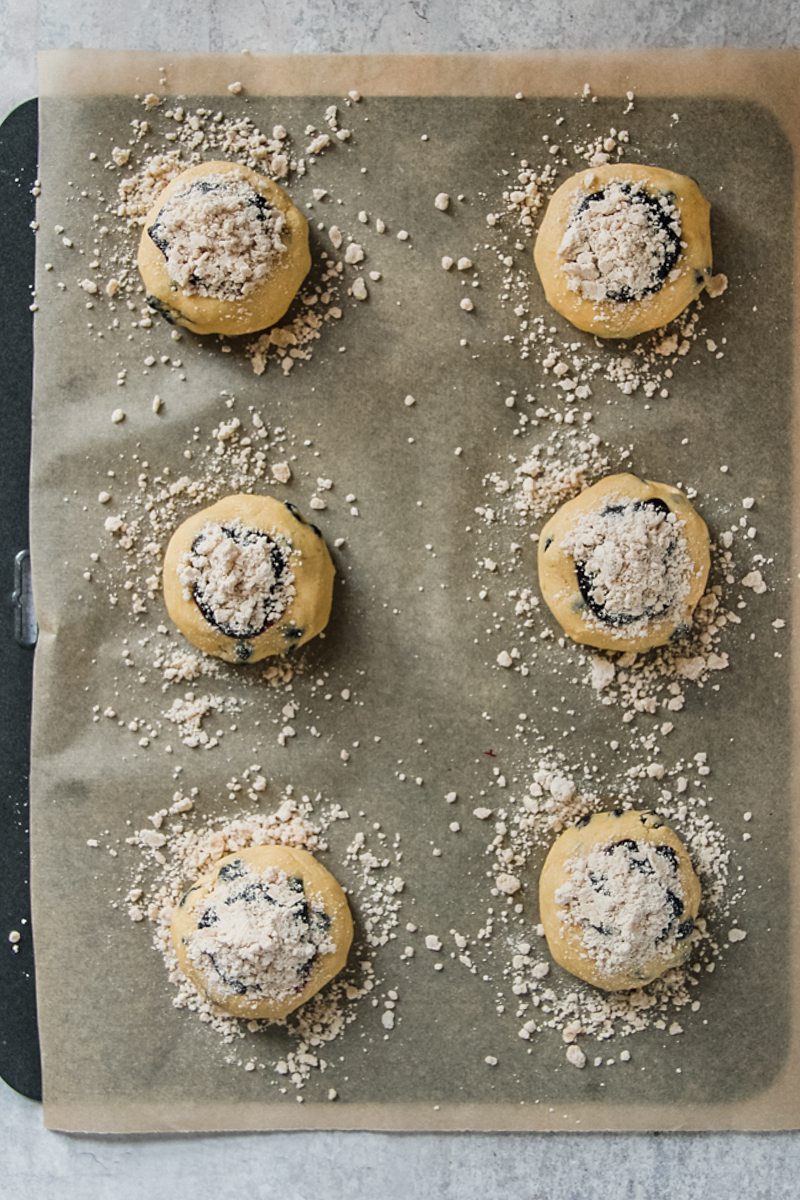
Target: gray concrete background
[{"x": 45, "y": 1166}]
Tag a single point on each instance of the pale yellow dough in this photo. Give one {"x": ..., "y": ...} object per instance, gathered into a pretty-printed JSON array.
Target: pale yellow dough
[
  {"x": 307, "y": 613},
  {"x": 564, "y": 937},
  {"x": 322, "y": 892},
  {"x": 610, "y": 319},
  {"x": 558, "y": 578},
  {"x": 263, "y": 306}
]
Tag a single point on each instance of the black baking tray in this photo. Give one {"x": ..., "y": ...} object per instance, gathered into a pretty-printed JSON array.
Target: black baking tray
[{"x": 19, "y": 1037}]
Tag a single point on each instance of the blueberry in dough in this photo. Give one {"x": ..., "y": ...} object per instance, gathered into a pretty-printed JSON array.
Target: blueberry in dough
[
  {"x": 247, "y": 578},
  {"x": 618, "y": 900},
  {"x": 223, "y": 250},
  {"x": 262, "y": 931},
  {"x": 623, "y": 565},
  {"x": 623, "y": 248}
]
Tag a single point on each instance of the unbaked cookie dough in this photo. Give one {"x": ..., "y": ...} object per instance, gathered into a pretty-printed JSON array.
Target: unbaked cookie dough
[
  {"x": 262, "y": 931},
  {"x": 624, "y": 248},
  {"x": 618, "y": 899},
  {"x": 623, "y": 565},
  {"x": 247, "y": 578},
  {"x": 223, "y": 250}
]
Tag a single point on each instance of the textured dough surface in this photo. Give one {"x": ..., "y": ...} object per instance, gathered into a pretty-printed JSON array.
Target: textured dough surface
[
  {"x": 262, "y": 307},
  {"x": 321, "y": 889},
  {"x": 307, "y": 613},
  {"x": 565, "y": 939},
  {"x": 558, "y": 578},
  {"x": 610, "y": 319}
]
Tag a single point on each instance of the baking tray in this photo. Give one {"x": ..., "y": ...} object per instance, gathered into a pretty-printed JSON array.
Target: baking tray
[{"x": 19, "y": 1037}]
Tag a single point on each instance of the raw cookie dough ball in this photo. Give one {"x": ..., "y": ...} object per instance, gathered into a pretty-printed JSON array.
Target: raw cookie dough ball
[
  {"x": 247, "y": 578},
  {"x": 223, "y": 250},
  {"x": 623, "y": 565},
  {"x": 618, "y": 899},
  {"x": 624, "y": 248},
  {"x": 262, "y": 931}
]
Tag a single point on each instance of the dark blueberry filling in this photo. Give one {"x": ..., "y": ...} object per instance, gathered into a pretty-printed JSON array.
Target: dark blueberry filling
[
  {"x": 243, "y": 651},
  {"x": 235, "y": 985},
  {"x": 187, "y": 894},
  {"x": 586, "y": 581},
  {"x": 584, "y": 820},
  {"x": 232, "y": 870},
  {"x": 295, "y": 511},
  {"x": 244, "y": 536},
  {"x": 256, "y": 201},
  {"x": 548, "y": 543},
  {"x": 169, "y": 314},
  {"x": 684, "y": 930},
  {"x": 669, "y": 854},
  {"x": 659, "y": 217},
  {"x": 292, "y": 633},
  {"x": 635, "y": 863},
  {"x": 207, "y": 918}
]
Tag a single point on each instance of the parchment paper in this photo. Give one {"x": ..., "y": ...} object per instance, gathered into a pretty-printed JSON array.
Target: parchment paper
[{"x": 116, "y": 1056}]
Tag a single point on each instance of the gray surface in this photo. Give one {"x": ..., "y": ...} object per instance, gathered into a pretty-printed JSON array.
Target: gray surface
[{"x": 49, "y": 1166}]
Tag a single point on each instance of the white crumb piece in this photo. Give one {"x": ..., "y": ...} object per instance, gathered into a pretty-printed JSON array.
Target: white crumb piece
[
  {"x": 482, "y": 814},
  {"x": 508, "y": 884},
  {"x": 755, "y": 581},
  {"x": 336, "y": 236},
  {"x": 316, "y": 502},
  {"x": 447, "y": 262},
  {"x": 490, "y": 1060},
  {"x": 737, "y": 935},
  {"x": 151, "y": 100},
  {"x": 121, "y": 156},
  {"x": 89, "y": 286},
  {"x": 716, "y": 285},
  {"x": 118, "y": 416},
  {"x": 318, "y": 144},
  {"x": 359, "y": 289},
  {"x": 451, "y": 797},
  {"x": 157, "y": 404},
  {"x": 403, "y": 235},
  {"x": 624, "y": 1056},
  {"x": 432, "y": 942},
  {"x": 409, "y": 401},
  {"x": 281, "y": 471},
  {"x": 442, "y": 202},
  {"x": 504, "y": 659},
  {"x": 354, "y": 254},
  {"x": 387, "y": 1019},
  {"x": 103, "y": 497},
  {"x": 748, "y": 502},
  {"x": 575, "y": 1056},
  {"x": 464, "y": 264},
  {"x": 14, "y": 937},
  {"x": 603, "y": 672},
  {"x": 674, "y": 1029},
  {"x": 354, "y": 95},
  {"x": 380, "y": 226},
  {"x": 236, "y": 88},
  {"x": 333, "y": 1094},
  {"x": 466, "y": 304}
]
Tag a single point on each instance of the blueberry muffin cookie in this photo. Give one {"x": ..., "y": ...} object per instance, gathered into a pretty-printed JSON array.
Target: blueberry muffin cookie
[
  {"x": 618, "y": 899},
  {"x": 262, "y": 931},
  {"x": 247, "y": 578},
  {"x": 223, "y": 250},
  {"x": 623, "y": 565},
  {"x": 624, "y": 248}
]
